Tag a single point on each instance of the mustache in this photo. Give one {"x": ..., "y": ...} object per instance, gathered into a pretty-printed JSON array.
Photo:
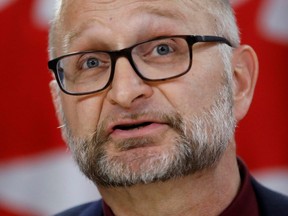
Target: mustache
[{"x": 173, "y": 119}]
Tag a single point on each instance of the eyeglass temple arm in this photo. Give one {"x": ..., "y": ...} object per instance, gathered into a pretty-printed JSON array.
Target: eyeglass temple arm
[{"x": 205, "y": 38}]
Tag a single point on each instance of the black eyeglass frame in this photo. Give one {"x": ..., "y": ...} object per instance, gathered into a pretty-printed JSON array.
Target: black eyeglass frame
[{"x": 126, "y": 52}]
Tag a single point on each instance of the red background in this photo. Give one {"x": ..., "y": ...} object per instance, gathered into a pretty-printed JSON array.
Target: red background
[{"x": 28, "y": 124}]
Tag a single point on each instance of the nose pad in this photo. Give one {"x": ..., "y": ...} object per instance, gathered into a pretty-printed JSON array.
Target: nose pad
[{"x": 127, "y": 86}]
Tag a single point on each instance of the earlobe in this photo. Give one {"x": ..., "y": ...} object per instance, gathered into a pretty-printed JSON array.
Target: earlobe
[{"x": 245, "y": 68}]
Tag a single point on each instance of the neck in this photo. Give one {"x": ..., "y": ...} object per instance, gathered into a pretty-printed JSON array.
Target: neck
[{"x": 206, "y": 193}]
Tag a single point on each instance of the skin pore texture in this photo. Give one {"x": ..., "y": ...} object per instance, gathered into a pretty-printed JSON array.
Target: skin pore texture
[{"x": 184, "y": 161}]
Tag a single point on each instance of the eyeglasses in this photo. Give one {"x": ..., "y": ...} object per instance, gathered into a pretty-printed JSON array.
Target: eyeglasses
[{"x": 159, "y": 59}]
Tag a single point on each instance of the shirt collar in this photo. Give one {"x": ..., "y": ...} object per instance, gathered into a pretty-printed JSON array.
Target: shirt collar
[{"x": 245, "y": 202}]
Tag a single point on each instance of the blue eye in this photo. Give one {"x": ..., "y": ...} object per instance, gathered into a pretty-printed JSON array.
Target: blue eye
[
  {"x": 163, "y": 49},
  {"x": 91, "y": 63}
]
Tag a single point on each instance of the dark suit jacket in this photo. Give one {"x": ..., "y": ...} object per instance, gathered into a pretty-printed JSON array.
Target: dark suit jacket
[{"x": 270, "y": 204}]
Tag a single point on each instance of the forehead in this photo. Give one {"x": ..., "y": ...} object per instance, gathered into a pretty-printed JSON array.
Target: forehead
[
  {"x": 72, "y": 8},
  {"x": 106, "y": 5},
  {"x": 132, "y": 17}
]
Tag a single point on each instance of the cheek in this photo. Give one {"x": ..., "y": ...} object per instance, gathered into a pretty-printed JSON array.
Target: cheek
[
  {"x": 82, "y": 114},
  {"x": 194, "y": 92}
]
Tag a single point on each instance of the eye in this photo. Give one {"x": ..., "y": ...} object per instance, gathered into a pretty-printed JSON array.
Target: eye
[
  {"x": 163, "y": 49},
  {"x": 91, "y": 63}
]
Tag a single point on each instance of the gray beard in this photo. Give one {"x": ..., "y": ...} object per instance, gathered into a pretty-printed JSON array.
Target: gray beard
[{"x": 200, "y": 142}]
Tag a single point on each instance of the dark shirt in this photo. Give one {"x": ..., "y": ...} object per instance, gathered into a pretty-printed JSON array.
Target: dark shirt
[{"x": 245, "y": 202}]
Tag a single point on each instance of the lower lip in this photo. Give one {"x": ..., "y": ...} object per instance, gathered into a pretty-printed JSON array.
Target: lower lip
[{"x": 149, "y": 130}]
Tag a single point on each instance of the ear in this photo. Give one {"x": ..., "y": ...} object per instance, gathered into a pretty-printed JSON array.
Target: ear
[
  {"x": 54, "y": 89},
  {"x": 245, "y": 68}
]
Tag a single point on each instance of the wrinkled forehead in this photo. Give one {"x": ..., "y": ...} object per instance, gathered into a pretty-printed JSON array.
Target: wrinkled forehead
[
  {"x": 72, "y": 9},
  {"x": 132, "y": 16},
  {"x": 113, "y": 4}
]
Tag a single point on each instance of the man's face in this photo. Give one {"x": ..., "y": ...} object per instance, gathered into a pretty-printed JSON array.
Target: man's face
[{"x": 140, "y": 132}]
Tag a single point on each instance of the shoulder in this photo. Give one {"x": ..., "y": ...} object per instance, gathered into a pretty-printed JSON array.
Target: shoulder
[
  {"x": 87, "y": 209},
  {"x": 270, "y": 202}
]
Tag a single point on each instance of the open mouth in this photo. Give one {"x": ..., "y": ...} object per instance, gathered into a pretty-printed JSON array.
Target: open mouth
[{"x": 127, "y": 127}]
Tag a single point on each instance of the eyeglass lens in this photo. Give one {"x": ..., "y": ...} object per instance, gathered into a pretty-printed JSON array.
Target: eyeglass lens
[{"x": 154, "y": 60}]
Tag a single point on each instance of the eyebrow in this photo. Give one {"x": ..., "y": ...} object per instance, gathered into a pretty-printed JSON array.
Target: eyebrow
[{"x": 149, "y": 9}]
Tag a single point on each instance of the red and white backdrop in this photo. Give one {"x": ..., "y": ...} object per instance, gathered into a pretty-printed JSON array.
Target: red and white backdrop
[{"x": 37, "y": 175}]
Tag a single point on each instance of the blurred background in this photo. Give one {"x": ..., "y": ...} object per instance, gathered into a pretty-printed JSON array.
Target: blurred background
[{"x": 37, "y": 174}]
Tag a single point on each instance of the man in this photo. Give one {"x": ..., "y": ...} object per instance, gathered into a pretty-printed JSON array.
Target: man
[{"x": 151, "y": 92}]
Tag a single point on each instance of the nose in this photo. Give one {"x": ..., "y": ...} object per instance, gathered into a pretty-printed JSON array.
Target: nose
[{"x": 127, "y": 87}]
